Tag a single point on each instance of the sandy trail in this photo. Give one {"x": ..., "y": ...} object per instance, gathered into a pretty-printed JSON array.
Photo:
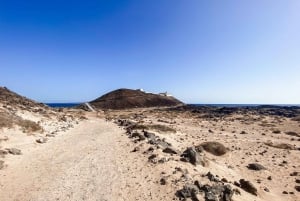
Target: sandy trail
[{"x": 89, "y": 162}]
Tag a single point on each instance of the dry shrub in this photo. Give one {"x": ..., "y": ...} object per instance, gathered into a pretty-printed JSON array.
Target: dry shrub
[
  {"x": 292, "y": 133},
  {"x": 156, "y": 127},
  {"x": 276, "y": 131},
  {"x": 296, "y": 118},
  {"x": 281, "y": 145},
  {"x": 29, "y": 126},
  {"x": 162, "y": 128},
  {"x": 1, "y": 165},
  {"x": 6, "y": 120},
  {"x": 266, "y": 124},
  {"x": 215, "y": 148}
]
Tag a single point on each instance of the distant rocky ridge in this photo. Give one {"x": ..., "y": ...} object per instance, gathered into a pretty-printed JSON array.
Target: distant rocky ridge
[{"x": 128, "y": 98}]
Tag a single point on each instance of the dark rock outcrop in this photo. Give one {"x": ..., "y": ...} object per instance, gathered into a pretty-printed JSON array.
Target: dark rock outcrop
[
  {"x": 248, "y": 187},
  {"x": 256, "y": 166}
]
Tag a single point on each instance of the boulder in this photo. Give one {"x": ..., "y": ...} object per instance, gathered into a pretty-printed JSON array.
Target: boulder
[
  {"x": 191, "y": 155},
  {"x": 256, "y": 167},
  {"x": 248, "y": 187}
]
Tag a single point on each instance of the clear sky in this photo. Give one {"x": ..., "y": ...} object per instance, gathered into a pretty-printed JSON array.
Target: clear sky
[{"x": 201, "y": 51}]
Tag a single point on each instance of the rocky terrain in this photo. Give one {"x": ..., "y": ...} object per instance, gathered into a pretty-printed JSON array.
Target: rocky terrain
[
  {"x": 152, "y": 153},
  {"x": 210, "y": 153}
]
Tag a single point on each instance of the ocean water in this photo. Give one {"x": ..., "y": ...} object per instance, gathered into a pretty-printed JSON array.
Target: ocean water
[
  {"x": 246, "y": 105},
  {"x": 56, "y": 105},
  {"x": 62, "y": 104}
]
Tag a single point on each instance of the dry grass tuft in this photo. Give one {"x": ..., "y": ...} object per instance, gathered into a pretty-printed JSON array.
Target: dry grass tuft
[
  {"x": 292, "y": 133},
  {"x": 156, "y": 127},
  {"x": 29, "y": 126},
  {"x": 280, "y": 145},
  {"x": 215, "y": 148},
  {"x": 6, "y": 120}
]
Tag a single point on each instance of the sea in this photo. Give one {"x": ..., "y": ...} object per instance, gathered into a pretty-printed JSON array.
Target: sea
[{"x": 68, "y": 105}]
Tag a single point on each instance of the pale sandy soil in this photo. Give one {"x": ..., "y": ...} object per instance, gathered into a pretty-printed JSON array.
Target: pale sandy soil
[{"x": 90, "y": 162}]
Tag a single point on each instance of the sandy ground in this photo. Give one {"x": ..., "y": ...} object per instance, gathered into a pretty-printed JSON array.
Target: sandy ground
[
  {"x": 90, "y": 162},
  {"x": 94, "y": 159}
]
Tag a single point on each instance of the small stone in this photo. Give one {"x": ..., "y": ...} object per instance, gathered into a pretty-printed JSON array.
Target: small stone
[
  {"x": 14, "y": 151},
  {"x": 266, "y": 189},
  {"x": 224, "y": 180},
  {"x": 256, "y": 167},
  {"x": 3, "y": 152},
  {"x": 269, "y": 178},
  {"x": 136, "y": 149},
  {"x": 297, "y": 188},
  {"x": 170, "y": 150},
  {"x": 295, "y": 174},
  {"x": 284, "y": 192},
  {"x": 42, "y": 140},
  {"x": 163, "y": 181}
]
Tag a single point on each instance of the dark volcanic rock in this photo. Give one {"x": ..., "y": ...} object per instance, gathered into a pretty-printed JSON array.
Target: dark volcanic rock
[
  {"x": 191, "y": 155},
  {"x": 188, "y": 191},
  {"x": 256, "y": 166},
  {"x": 128, "y": 98},
  {"x": 218, "y": 192},
  {"x": 170, "y": 150},
  {"x": 248, "y": 186}
]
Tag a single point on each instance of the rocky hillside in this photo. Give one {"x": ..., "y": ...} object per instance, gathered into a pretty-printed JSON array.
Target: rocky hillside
[
  {"x": 12, "y": 99},
  {"x": 128, "y": 98}
]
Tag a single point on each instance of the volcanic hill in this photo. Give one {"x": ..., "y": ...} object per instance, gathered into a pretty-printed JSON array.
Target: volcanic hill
[{"x": 129, "y": 98}]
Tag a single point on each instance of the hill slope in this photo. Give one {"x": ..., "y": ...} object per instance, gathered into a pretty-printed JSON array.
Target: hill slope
[
  {"x": 128, "y": 98},
  {"x": 9, "y": 98}
]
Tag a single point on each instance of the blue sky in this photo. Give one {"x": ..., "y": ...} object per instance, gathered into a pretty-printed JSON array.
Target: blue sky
[{"x": 200, "y": 51}]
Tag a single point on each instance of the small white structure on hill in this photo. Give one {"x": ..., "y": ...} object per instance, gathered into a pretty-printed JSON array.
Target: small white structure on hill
[{"x": 165, "y": 94}]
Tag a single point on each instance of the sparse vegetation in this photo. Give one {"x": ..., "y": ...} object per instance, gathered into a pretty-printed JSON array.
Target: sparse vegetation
[
  {"x": 292, "y": 133},
  {"x": 29, "y": 126},
  {"x": 276, "y": 131},
  {"x": 8, "y": 120},
  {"x": 156, "y": 127},
  {"x": 280, "y": 145},
  {"x": 296, "y": 118},
  {"x": 214, "y": 148}
]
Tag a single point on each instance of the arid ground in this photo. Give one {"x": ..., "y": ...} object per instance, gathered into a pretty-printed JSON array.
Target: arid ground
[{"x": 150, "y": 154}]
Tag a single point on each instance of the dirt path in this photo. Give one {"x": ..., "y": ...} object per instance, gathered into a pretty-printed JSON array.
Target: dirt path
[{"x": 90, "y": 162}]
